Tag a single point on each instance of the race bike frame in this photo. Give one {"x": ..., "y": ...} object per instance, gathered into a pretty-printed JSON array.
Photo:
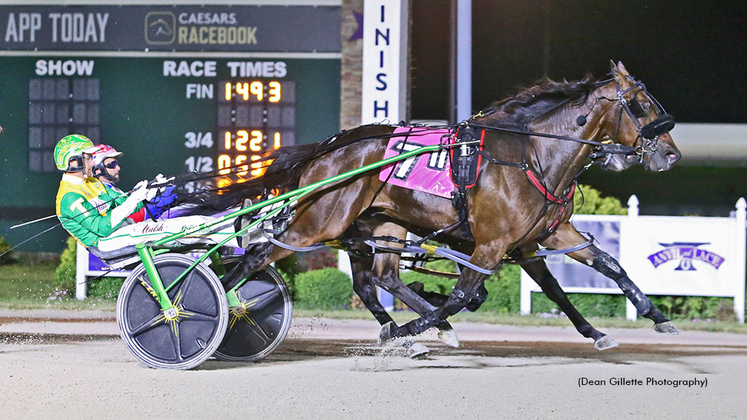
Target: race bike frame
[{"x": 147, "y": 251}]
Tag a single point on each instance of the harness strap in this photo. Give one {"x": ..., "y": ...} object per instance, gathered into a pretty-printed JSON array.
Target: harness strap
[
  {"x": 453, "y": 255},
  {"x": 545, "y": 192},
  {"x": 546, "y": 252}
]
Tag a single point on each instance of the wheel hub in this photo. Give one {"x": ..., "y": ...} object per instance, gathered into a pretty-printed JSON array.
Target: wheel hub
[{"x": 171, "y": 314}]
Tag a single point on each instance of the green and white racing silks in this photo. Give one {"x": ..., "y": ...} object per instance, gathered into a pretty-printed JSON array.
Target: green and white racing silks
[{"x": 84, "y": 208}]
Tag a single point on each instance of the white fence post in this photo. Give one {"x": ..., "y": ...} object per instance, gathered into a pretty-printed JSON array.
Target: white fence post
[
  {"x": 631, "y": 313},
  {"x": 525, "y": 298},
  {"x": 81, "y": 266},
  {"x": 740, "y": 251}
]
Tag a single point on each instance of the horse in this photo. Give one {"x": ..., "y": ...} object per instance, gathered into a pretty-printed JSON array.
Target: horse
[
  {"x": 510, "y": 209},
  {"x": 385, "y": 275}
]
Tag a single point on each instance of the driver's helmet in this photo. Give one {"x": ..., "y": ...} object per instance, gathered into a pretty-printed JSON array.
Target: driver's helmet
[
  {"x": 98, "y": 155},
  {"x": 71, "y": 148}
]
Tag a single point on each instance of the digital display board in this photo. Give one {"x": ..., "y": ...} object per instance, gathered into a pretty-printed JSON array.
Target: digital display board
[
  {"x": 171, "y": 107},
  {"x": 204, "y": 118},
  {"x": 254, "y": 117}
]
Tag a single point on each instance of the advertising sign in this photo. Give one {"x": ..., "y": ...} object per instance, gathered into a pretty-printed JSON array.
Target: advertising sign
[
  {"x": 171, "y": 28},
  {"x": 672, "y": 256}
]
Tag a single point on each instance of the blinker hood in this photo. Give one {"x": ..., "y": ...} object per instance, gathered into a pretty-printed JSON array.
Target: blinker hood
[{"x": 661, "y": 125}]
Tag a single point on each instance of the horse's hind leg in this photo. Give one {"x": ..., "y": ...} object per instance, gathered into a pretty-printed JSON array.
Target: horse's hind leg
[
  {"x": 361, "y": 263},
  {"x": 437, "y": 299},
  {"x": 567, "y": 236},
  {"x": 386, "y": 276},
  {"x": 539, "y": 272},
  {"x": 466, "y": 288}
]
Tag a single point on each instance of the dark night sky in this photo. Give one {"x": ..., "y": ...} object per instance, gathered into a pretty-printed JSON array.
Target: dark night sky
[{"x": 692, "y": 55}]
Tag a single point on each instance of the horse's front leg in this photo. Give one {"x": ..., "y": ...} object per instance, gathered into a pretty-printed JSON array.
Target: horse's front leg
[
  {"x": 567, "y": 236},
  {"x": 542, "y": 276},
  {"x": 467, "y": 288}
]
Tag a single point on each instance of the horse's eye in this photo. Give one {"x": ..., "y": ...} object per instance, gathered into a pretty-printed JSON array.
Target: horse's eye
[{"x": 638, "y": 109}]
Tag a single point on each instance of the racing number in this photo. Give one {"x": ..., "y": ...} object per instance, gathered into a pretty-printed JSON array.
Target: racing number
[{"x": 436, "y": 161}]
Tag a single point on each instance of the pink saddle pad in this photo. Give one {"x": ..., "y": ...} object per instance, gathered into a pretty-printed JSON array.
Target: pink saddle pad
[{"x": 428, "y": 172}]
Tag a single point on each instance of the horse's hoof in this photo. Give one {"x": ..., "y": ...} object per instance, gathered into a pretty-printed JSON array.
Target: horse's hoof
[
  {"x": 387, "y": 332},
  {"x": 449, "y": 337},
  {"x": 666, "y": 328},
  {"x": 604, "y": 343},
  {"x": 417, "y": 351}
]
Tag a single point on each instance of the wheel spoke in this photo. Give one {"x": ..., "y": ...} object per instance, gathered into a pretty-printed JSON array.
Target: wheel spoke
[
  {"x": 175, "y": 340},
  {"x": 147, "y": 325},
  {"x": 264, "y": 295},
  {"x": 146, "y": 284},
  {"x": 257, "y": 329},
  {"x": 183, "y": 287}
]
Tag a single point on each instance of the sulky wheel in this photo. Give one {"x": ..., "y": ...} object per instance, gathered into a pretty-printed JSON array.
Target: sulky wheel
[
  {"x": 262, "y": 321},
  {"x": 193, "y": 334}
]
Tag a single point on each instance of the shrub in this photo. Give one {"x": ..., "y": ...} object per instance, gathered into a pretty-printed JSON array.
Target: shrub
[
  {"x": 290, "y": 281},
  {"x": 5, "y": 247},
  {"x": 503, "y": 287},
  {"x": 64, "y": 275},
  {"x": 589, "y": 305},
  {"x": 504, "y": 290},
  {"x": 590, "y": 201},
  {"x": 328, "y": 288},
  {"x": 105, "y": 287},
  {"x": 696, "y": 307},
  {"x": 288, "y": 269}
]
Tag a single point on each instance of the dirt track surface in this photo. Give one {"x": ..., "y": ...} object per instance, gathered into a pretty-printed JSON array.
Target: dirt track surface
[{"x": 68, "y": 366}]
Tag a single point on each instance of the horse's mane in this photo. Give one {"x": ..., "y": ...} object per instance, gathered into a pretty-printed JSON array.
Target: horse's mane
[{"x": 533, "y": 102}]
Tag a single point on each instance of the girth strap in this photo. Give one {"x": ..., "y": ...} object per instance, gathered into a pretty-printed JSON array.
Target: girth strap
[{"x": 548, "y": 195}]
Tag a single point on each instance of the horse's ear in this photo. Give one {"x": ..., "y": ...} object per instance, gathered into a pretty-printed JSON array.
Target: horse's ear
[
  {"x": 622, "y": 68},
  {"x": 620, "y": 73}
]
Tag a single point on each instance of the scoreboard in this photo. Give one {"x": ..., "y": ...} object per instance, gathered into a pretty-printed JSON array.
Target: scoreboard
[{"x": 175, "y": 88}]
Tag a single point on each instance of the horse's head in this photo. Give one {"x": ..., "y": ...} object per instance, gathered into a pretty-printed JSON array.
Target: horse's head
[{"x": 634, "y": 118}]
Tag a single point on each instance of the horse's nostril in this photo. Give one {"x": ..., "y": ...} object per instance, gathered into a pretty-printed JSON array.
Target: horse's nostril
[{"x": 673, "y": 157}]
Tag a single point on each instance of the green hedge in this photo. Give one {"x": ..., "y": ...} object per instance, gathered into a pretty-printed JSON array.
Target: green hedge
[
  {"x": 64, "y": 275},
  {"x": 328, "y": 288},
  {"x": 587, "y": 200},
  {"x": 503, "y": 288},
  {"x": 589, "y": 305},
  {"x": 4, "y": 247},
  {"x": 105, "y": 287}
]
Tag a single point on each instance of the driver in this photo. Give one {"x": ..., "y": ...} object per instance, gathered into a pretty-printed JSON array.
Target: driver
[
  {"x": 105, "y": 167},
  {"x": 99, "y": 216}
]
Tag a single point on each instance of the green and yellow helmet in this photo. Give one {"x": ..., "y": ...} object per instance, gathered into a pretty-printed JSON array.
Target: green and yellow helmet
[{"x": 71, "y": 148}]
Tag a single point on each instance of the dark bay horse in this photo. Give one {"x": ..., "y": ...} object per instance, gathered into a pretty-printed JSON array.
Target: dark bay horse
[
  {"x": 506, "y": 212},
  {"x": 385, "y": 274}
]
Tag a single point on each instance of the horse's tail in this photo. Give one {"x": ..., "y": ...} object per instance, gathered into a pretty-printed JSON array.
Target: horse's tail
[
  {"x": 284, "y": 167},
  {"x": 287, "y": 163},
  {"x": 282, "y": 173}
]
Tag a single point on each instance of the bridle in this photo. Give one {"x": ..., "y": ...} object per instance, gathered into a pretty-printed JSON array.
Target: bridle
[{"x": 648, "y": 135}]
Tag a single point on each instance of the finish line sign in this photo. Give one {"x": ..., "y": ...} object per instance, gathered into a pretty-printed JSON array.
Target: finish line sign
[{"x": 384, "y": 85}]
